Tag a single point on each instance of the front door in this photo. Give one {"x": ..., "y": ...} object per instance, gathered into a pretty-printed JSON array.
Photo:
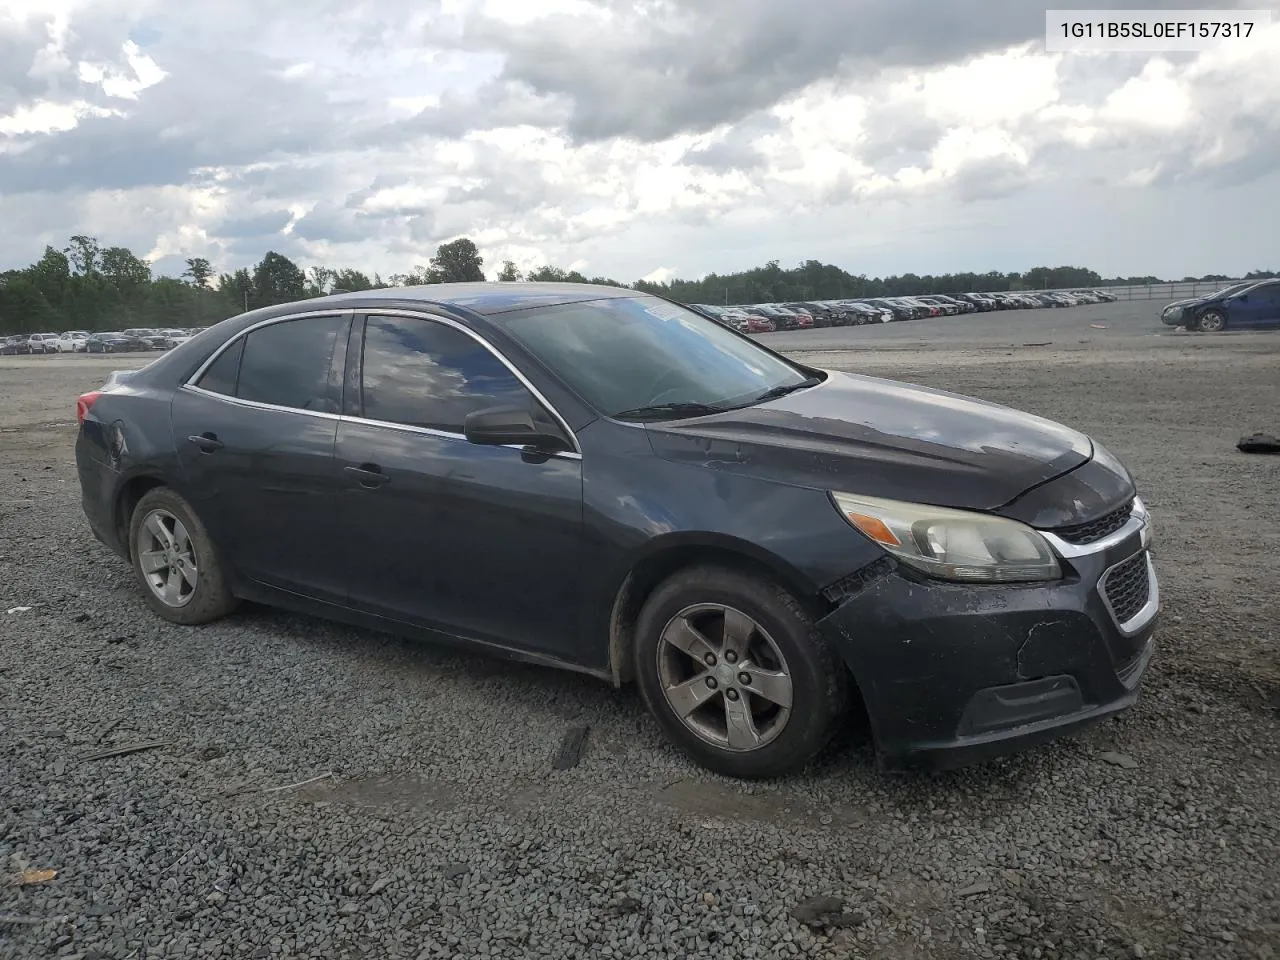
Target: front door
[
  {"x": 255, "y": 435},
  {"x": 1257, "y": 307},
  {"x": 483, "y": 542}
]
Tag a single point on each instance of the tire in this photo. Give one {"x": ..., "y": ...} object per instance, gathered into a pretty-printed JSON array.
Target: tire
[
  {"x": 1211, "y": 321},
  {"x": 783, "y": 642},
  {"x": 209, "y": 598}
]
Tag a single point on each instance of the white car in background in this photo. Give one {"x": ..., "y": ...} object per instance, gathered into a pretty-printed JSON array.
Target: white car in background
[
  {"x": 73, "y": 341},
  {"x": 173, "y": 338},
  {"x": 43, "y": 342}
]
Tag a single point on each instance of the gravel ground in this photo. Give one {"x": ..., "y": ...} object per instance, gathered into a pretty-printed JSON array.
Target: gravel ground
[{"x": 439, "y": 829}]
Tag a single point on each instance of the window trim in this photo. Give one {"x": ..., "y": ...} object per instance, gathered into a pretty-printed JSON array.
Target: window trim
[
  {"x": 190, "y": 382},
  {"x": 357, "y": 317},
  {"x": 574, "y": 454}
]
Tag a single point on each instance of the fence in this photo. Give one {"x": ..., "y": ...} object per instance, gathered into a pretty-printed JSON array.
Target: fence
[{"x": 1179, "y": 290}]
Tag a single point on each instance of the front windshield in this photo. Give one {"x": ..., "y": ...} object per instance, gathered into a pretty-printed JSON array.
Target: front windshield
[
  {"x": 630, "y": 353},
  {"x": 1234, "y": 288}
]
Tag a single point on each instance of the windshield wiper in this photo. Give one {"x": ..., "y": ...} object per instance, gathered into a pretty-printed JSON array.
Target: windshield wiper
[
  {"x": 773, "y": 393},
  {"x": 666, "y": 411}
]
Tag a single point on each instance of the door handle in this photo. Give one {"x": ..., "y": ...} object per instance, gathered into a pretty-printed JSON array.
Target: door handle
[
  {"x": 207, "y": 442},
  {"x": 369, "y": 474}
]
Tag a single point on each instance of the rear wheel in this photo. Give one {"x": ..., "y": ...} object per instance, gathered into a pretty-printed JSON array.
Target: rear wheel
[
  {"x": 175, "y": 561},
  {"x": 1211, "y": 321},
  {"x": 737, "y": 675}
]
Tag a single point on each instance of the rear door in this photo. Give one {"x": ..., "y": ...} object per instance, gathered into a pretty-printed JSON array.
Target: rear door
[
  {"x": 255, "y": 433},
  {"x": 482, "y": 542}
]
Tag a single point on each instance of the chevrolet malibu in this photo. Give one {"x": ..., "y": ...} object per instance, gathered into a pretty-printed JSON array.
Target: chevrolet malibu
[{"x": 590, "y": 478}]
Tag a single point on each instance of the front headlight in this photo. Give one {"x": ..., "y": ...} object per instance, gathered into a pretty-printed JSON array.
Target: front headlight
[{"x": 952, "y": 544}]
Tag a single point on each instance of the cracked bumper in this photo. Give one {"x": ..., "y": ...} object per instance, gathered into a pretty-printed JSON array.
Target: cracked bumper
[{"x": 954, "y": 674}]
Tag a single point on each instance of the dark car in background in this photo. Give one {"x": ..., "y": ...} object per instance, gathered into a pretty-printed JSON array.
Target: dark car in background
[
  {"x": 113, "y": 342},
  {"x": 897, "y": 310},
  {"x": 1254, "y": 303},
  {"x": 595, "y": 479},
  {"x": 16, "y": 345}
]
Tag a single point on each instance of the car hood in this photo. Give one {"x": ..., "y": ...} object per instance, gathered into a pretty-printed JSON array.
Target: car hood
[{"x": 883, "y": 438}]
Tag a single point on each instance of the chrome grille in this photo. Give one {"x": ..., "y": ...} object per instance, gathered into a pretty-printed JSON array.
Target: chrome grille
[
  {"x": 1095, "y": 530},
  {"x": 1127, "y": 587}
]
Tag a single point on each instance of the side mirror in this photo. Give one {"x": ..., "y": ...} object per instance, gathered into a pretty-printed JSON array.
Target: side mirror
[{"x": 500, "y": 426}]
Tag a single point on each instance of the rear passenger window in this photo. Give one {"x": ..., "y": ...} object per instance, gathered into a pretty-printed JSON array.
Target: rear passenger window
[
  {"x": 222, "y": 373},
  {"x": 291, "y": 364}
]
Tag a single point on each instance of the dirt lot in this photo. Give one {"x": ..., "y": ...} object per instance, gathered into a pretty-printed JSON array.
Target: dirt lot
[{"x": 440, "y": 830}]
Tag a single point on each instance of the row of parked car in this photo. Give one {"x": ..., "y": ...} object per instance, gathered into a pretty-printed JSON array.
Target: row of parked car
[
  {"x": 801, "y": 315},
  {"x": 136, "y": 340}
]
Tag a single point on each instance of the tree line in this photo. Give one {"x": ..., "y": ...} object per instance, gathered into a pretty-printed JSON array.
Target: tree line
[{"x": 86, "y": 286}]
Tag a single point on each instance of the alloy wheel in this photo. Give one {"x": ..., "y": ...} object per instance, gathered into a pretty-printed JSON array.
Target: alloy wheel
[
  {"x": 167, "y": 558},
  {"x": 724, "y": 677},
  {"x": 1211, "y": 322}
]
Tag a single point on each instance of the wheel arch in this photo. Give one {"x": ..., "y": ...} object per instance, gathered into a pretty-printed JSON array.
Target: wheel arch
[
  {"x": 131, "y": 491},
  {"x": 666, "y": 556}
]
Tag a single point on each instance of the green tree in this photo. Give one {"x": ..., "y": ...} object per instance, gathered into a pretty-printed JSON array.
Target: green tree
[
  {"x": 124, "y": 271},
  {"x": 509, "y": 272},
  {"x": 349, "y": 279},
  {"x": 84, "y": 253},
  {"x": 23, "y": 308},
  {"x": 237, "y": 289},
  {"x": 199, "y": 272},
  {"x": 277, "y": 279},
  {"x": 52, "y": 275},
  {"x": 457, "y": 261},
  {"x": 320, "y": 281}
]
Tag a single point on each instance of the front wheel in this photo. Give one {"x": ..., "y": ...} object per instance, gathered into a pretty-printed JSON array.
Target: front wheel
[
  {"x": 736, "y": 673},
  {"x": 175, "y": 560},
  {"x": 1211, "y": 321}
]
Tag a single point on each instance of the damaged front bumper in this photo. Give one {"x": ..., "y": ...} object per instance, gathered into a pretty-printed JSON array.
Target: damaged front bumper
[{"x": 953, "y": 674}]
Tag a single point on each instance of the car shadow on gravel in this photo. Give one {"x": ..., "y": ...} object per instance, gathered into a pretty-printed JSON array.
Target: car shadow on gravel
[{"x": 497, "y": 685}]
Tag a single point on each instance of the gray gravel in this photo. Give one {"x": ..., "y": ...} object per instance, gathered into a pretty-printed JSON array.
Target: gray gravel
[{"x": 439, "y": 829}]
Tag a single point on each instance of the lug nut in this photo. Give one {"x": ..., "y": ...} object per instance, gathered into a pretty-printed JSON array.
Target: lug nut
[
  {"x": 711, "y": 683},
  {"x": 731, "y": 656},
  {"x": 731, "y": 694},
  {"x": 744, "y": 679},
  {"x": 709, "y": 659}
]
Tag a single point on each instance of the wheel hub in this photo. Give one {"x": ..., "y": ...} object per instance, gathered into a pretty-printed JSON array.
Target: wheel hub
[
  {"x": 724, "y": 677},
  {"x": 166, "y": 557}
]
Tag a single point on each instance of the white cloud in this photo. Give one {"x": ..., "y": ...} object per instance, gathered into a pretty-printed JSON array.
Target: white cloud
[
  {"x": 1156, "y": 98},
  {"x": 118, "y": 83},
  {"x": 48, "y": 118}
]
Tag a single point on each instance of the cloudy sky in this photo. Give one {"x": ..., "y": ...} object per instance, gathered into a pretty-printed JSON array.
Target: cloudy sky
[{"x": 630, "y": 138}]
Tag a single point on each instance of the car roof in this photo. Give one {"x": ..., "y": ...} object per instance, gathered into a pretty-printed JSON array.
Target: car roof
[{"x": 486, "y": 299}]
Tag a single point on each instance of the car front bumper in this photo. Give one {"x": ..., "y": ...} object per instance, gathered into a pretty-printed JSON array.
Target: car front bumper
[{"x": 952, "y": 674}]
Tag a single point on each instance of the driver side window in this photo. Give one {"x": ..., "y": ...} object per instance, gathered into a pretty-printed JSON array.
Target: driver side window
[{"x": 422, "y": 373}]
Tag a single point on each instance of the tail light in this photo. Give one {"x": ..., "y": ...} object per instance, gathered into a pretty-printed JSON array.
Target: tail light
[{"x": 85, "y": 402}]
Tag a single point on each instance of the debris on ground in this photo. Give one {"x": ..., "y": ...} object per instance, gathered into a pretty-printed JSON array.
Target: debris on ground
[
  {"x": 127, "y": 749},
  {"x": 28, "y": 877},
  {"x": 974, "y": 889},
  {"x": 1118, "y": 760},
  {"x": 1098, "y": 326},
  {"x": 13, "y": 610},
  {"x": 570, "y": 748},
  {"x": 301, "y": 783},
  {"x": 1259, "y": 443},
  {"x": 819, "y": 912}
]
